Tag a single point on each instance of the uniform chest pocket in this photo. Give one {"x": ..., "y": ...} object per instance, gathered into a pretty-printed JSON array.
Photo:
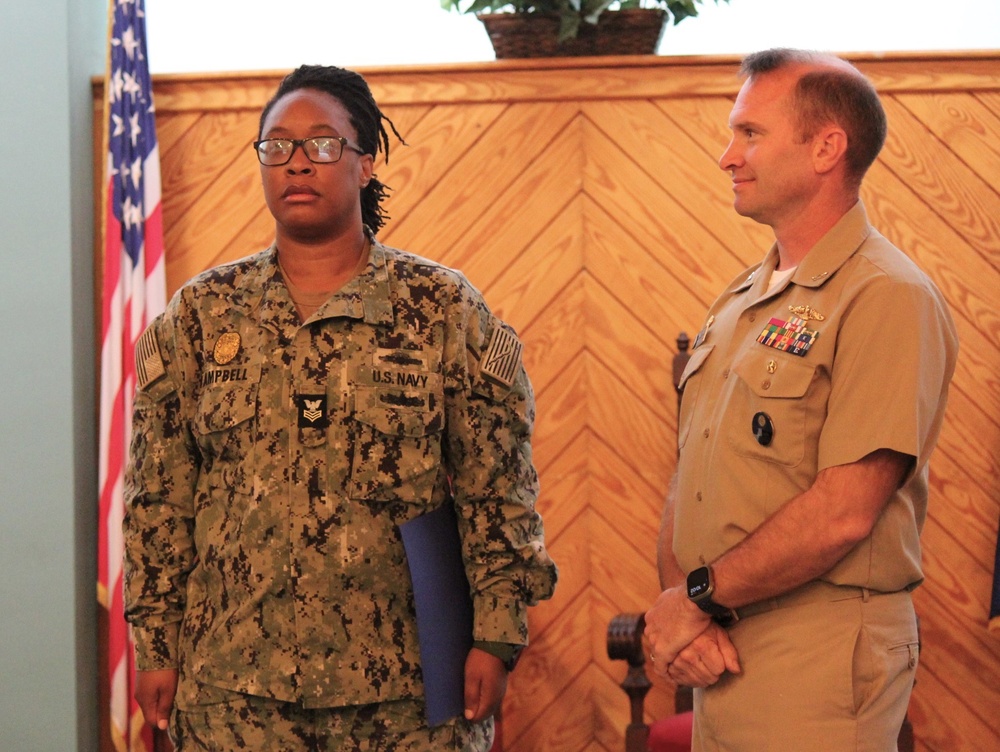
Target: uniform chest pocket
[
  {"x": 397, "y": 447},
  {"x": 776, "y": 386},
  {"x": 224, "y": 428}
]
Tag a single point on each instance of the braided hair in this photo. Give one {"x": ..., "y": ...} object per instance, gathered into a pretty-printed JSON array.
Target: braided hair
[{"x": 351, "y": 90}]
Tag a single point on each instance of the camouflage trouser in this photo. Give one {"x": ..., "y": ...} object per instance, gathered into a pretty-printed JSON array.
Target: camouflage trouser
[{"x": 262, "y": 725}]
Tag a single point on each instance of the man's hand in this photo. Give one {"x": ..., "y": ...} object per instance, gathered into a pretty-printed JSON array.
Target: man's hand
[
  {"x": 485, "y": 685},
  {"x": 154, "y": 691},
  {"x": 707, "y": 658},
  {"x": 671, "y": 625}
]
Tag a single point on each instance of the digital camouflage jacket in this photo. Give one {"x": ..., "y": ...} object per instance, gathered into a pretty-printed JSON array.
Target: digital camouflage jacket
[{"x": 272, "y": 463}]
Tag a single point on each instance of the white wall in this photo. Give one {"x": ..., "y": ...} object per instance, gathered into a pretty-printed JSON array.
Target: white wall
[
  {"x": 49, "y": 49},
  {"x": 226, "y": 35}
]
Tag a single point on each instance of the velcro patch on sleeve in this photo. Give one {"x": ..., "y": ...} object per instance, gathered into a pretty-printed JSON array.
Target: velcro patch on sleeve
[
  {"x": 148, "y": 361},
  {"x": 502, "y": 358}
]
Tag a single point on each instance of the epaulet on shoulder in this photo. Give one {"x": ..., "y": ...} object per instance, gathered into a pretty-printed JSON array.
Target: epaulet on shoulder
[
  {"x": 430, "y": 266},
  {"x": 228, "y": 273}
]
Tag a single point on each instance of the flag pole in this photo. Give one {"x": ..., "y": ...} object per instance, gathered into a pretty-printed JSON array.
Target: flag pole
[
  {"x": 118, "y": 736},
  {"x": 102, "y": 595}
]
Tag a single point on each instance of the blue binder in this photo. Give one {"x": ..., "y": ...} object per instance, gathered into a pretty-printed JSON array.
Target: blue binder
[{"x": 444, "y": 609}]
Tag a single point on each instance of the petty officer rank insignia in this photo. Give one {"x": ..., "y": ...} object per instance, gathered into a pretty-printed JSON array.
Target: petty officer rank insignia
[
  {"x": 148, "y": 361},
  {"x": 788, "y": 336},
  {"x": 502, "y": 358},
  {"x": 312, "y": 410}
]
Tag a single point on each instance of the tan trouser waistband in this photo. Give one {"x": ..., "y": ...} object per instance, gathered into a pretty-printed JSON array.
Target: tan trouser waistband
[{"x": 812, "y": 592}]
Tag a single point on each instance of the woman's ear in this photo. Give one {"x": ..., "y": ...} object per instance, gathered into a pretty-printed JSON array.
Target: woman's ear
[{"x": 367, "y": 162}]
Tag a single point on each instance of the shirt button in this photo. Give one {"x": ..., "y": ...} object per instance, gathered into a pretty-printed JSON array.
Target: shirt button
[
  {"x": 766, "y": 384},
  {"x": 698, "y": 496},
  {"x": 752, "y": 317},
  {"x": 725, "y": 374},
  {"x": 707, "y": 432}
]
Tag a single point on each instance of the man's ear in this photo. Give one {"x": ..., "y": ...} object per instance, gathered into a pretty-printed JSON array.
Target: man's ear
[{"x": 829, "y": 148}]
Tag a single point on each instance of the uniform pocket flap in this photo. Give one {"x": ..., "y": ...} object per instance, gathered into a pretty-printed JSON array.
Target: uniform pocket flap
[
  {"x": 773, "y": 375},
  {"x": 398, "y": 412},
  {"x": 695, "y": 362},
  {"x": 221, "y": 409}
]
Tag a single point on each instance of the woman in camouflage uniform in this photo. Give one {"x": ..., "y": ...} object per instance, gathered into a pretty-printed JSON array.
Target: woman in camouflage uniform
[{"x": 294, "y": 409}]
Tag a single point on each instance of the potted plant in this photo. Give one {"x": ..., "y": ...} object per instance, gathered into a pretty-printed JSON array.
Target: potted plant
[{"x": 537, "y": 28}]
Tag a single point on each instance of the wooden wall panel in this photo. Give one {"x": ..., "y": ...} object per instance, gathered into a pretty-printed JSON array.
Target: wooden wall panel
[{"x": 585, "y": 199}]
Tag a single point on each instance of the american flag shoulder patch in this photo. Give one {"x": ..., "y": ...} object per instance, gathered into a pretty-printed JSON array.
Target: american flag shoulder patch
[
  {"x": 502, "y": 358},
  {"x": 148, "y": 361}
]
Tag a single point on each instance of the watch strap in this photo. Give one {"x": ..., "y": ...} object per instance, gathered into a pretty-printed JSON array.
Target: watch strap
[
  {"x": 720, "y": 614},
  {"x": 700, "y": 587}
]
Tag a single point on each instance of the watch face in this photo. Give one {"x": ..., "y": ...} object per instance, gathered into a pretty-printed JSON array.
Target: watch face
[{"x": 698, "y": 583}]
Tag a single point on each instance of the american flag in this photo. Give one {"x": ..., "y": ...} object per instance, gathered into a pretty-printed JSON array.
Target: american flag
[{"x": 134, "y": 292}]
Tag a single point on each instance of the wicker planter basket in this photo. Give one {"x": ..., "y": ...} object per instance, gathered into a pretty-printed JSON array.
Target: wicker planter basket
[{"x": 635, "y": 31}]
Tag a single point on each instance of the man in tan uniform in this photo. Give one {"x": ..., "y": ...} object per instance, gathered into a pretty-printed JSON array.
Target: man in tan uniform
[
  {"x": 812, "y": 400},
  {"x": 295, "y": 409}
]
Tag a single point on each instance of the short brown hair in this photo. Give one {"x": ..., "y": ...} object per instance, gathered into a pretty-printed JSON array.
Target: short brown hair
[{"x": 833, "y": 92}]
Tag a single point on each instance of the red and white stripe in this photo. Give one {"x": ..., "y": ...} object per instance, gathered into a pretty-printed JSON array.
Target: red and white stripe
[{"x": 133, "y": 294}]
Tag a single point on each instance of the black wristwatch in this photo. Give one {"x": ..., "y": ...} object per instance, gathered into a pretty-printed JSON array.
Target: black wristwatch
[{"x": 700, "y": 587}]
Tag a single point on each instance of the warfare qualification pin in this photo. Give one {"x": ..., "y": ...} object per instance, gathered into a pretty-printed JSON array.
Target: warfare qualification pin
[
  {"x": 226, "y": 348},
  {"x": 807, "y": 312}
]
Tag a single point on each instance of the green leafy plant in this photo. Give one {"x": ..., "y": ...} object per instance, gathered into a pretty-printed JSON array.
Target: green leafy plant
[{"x": 572, "y": 13}]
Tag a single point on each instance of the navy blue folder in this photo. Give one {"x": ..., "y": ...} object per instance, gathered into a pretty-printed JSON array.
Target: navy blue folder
[{"x": 444, "y": 609}]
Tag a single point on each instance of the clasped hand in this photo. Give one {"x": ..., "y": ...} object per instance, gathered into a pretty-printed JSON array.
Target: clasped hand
[{"x": 685, "y": 644}]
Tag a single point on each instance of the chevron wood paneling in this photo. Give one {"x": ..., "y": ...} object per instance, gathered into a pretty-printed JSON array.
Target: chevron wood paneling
[{"x": 584, "y": 198}]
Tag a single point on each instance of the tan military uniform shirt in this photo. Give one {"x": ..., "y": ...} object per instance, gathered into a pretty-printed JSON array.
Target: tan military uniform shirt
[
  {"x": 854, "y": 353},
  {"x": 272, "y": 463}
]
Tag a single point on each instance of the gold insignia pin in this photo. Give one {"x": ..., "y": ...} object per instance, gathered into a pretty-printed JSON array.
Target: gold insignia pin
[
  {"x": 807, "y": 312},
  {"x": 226, "y": 348},
  {"x": 771, "y": 366}
]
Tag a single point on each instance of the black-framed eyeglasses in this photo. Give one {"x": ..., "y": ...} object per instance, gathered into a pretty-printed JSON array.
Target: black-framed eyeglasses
[{"x": 274, "y": 152}]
